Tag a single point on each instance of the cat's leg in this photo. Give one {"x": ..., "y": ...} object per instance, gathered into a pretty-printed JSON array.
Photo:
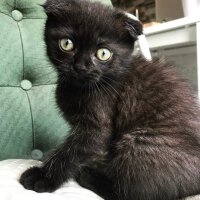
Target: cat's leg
[
  {"x": 51, "y": 174},
  {"x": 82, "y": 146},
  {"x": 155, "y": 167},
  {"x": 97, "y": 182}
]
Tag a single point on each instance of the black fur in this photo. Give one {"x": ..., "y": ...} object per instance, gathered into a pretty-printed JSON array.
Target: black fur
[{"x": 134, "y": 124}]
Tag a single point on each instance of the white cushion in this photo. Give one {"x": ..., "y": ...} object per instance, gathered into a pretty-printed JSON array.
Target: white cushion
[{"x": 11, "y": 189}]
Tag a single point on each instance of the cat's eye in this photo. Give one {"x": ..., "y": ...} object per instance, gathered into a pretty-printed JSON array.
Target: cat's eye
[
  {"x": 66, "y": 44},
  {"x": 103, "y": 54}
]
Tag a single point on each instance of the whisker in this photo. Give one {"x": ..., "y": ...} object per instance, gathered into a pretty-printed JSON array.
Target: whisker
[
  {"x": 94, "y": 90},
  {"x": 114, "y": 90},
  {"x": 60, "y": 61},
  {"x": 98, "y": 83},
  {"x": 89, "y": 88},
  {"x": 112, "y": 80},
  {"x": 97, "y": 87},
  {"x": 41, "y": 67},
  {"x": 104, "y": 88},
  {"x": 47, "y": 62},
  {"x": 45, "y": 74},
  {"x": 111, "y": 87}
]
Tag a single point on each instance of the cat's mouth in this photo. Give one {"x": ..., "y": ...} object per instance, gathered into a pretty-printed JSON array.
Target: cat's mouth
[{"x": 81, "y": 80}]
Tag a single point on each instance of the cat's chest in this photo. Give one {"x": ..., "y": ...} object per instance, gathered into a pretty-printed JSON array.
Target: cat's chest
[{"x": 79, "y": 104}]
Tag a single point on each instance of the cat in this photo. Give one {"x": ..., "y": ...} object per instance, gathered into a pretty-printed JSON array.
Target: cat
[{"x": 135, "y": 124}]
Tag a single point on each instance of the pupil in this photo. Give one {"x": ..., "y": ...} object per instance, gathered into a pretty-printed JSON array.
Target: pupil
[
  {"x": 67, "y": 42},
  {"x": 103, "y": 54}
]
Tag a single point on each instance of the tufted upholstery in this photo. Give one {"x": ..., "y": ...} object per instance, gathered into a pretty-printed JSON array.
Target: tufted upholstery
[{"x": 30, "y": 123}]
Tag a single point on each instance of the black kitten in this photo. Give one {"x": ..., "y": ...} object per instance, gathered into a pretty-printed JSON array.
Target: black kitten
[{"x": 134, "y": 124}]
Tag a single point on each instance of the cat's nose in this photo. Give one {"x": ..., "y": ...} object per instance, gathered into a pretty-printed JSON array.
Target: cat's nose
[{"x": 80, "y": 68}]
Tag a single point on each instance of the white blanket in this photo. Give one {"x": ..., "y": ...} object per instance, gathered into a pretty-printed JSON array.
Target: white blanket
[{"x": 11, "y": 189}]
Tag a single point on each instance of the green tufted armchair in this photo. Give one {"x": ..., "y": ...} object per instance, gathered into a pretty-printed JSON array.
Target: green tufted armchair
[{"x": 30, "y": 122}]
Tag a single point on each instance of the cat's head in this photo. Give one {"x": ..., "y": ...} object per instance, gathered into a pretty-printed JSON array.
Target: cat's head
[{"x": 89, "y": 42}]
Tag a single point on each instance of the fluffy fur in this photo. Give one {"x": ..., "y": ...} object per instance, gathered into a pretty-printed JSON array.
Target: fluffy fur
[{"x": 134, "y": 124}]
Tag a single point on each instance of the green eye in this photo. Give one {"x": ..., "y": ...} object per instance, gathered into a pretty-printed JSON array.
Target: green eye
[
  {"x": 103, "y": 54},
  {"x": 66, "y": 44}
]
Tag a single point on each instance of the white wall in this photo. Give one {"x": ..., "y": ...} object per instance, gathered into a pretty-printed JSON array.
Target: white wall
[{"x": 168, "y": 9}]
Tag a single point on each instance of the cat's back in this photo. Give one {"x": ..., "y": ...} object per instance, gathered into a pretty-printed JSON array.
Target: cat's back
[{"x": 161, "y": 97}]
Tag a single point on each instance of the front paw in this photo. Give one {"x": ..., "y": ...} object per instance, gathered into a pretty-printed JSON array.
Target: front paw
[{"x": 35, "y": 179}]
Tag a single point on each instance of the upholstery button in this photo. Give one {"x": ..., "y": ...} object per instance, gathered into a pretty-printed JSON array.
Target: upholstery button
[
  {"x": 26, "y": 85},
  {"x": 17, "y": 15},
  {"x": 36, "y": 154}
]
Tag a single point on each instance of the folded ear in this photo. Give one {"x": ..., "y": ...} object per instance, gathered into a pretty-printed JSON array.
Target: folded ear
[
  {"x": 49, "y": 6},
  {"x": 130, "y": 23},
  {"x": 52, "y": 7},
  {"x": 133, "y": 24}
]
